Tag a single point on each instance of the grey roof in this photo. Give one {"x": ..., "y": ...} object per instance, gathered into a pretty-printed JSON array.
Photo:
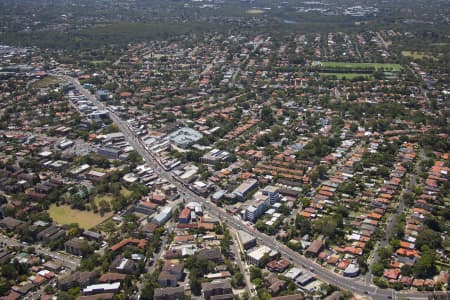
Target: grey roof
[
  {"x": 245, "y": 237},
  {"x": 10, "y": 223},
  {"x": 92, "y": 234},
  {"x": 210, "y": 254},
  {"x": 222, "y": 284},
  {"x": 293, "y": 273},
  {"x": 168, "y": 291},
  {"x": 184, "y": 137}
]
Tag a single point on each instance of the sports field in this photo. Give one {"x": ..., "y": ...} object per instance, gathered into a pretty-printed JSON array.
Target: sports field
[
  {"x": 356, "y": 66},
  {"x": 346, "y": 75}
]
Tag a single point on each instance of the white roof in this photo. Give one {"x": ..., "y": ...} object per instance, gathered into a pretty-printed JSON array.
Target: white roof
[
  {"x": 193, "y": 205},
  {"x": 293, "y": 273},
  {"x": 102, "y": 287},
  {"x": 45, "y": 153},
  {"x": 258, "y": 253}
]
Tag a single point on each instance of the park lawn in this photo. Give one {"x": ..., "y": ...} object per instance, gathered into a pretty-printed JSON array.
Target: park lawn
[
  {"x": 418, "y": 54},
  {"x": 255, "y": 11},
  {"x": 125, "y": 192},
  {"x": 64, "y": 214},
  {"x": 345, "y": 75},
  {"x": 45, "y": 82},
  {"x": 348, "y": 65},
  {"x": 107, "y": 198},
  {"x": 100, "y": 62}
]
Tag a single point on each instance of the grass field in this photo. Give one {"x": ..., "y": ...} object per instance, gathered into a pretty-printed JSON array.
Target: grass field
[
  {"x": 417, "y": 55},
  {"x": 63, "y": 214},
  {"x": 125, "y": 192},
  {"x": 345, "y": 75},
  {"x": 99, "y": 62},
  {"x": 99, "y": 198},
  {"x": 355, "y": 66},
  {"x": 109, "y": 197},
  {"x": 255, "y": 11},
  {"x": 45, "y": 82}
]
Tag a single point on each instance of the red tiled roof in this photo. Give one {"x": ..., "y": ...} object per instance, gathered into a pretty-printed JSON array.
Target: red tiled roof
[
  {"x": 183, "y": 238},
  {"x": 138, "y": 243},
  {"x": 184, "y": 213},
  {"x": 391, "y": 273}
]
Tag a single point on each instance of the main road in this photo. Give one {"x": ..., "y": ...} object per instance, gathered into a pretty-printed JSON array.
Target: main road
[
  {"x": 68, "y": 261},
  {"x": 354, "y": 285}
]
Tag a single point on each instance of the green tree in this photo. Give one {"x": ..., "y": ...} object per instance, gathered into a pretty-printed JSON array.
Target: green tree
[
  {"x": 267, "y": 115},
  {"x": 238, "y": 279},
  {"x": 4, "y": 286},
  {"x": 65, "y": 296},
  {"x": 425, "y": 266},
  {"x": 255, "y": 272},
  {"x": 406, "y": 270},
  {"x": 430, "y": 238},
  {"x": 326, "y": 226},
  {"x": 134, "y": 157},
  {"x": 377, "y": 269}
]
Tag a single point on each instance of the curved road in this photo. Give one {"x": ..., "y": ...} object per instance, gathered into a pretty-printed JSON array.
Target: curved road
[{"x": 354, "y": 285}]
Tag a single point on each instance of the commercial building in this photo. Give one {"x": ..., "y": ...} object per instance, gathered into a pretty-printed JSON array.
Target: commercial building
[
  {"x": 102, "y": 95},
  {"x": 256, "y": 207},
  {"x": 99, "y": 115},
  {"x": 351, "y": 271},
  {"x": 109, "y": 152},
  {"x": 315, "y": 247},
  {"x": 247, "y": 240},
  {"x": 184, "y": 216},
  {"x": 245, "y": 188},
  {"x": 256, "y": 256},
  {"x": 293, "y": 273},
  {"x": 184, "y": 137},
  {"x": 273, "y": 192},
  {"x": 218, "y": 195},
  {"x": 102, "y": 288},
  {"x": 215, "y": 155},
  {"x": 146, "y": 208},
  {"x": 305, "y": 278},
  {"x": 164, "y": 215}
]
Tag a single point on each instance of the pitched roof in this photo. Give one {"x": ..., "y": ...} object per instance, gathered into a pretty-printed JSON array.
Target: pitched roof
[{"x": 138, "y": 243}]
